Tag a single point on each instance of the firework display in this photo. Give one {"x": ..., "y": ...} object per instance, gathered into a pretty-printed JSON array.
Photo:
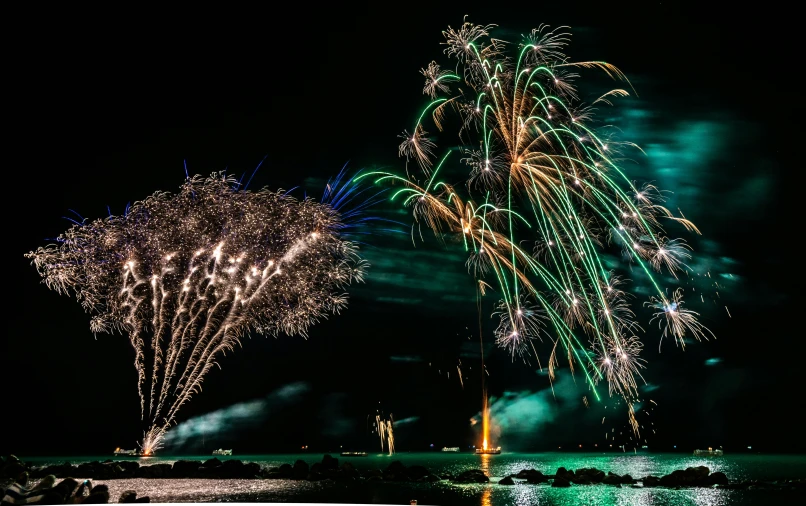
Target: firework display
[
  {"x": 536, "y": 196},
  {"x": 186, "y": 275}
]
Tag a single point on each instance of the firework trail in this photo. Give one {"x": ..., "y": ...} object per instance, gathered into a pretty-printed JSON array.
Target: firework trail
[
  {"x": 185, "y": 276},
  {"x": 541, "y": 198},
  {"x": 385, "y": 432}
]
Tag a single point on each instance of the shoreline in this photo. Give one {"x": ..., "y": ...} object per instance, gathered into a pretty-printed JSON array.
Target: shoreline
[{"x": 329, "y": 469}]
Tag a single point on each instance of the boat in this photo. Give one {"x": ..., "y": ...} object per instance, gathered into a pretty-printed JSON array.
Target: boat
[
  {"x": 133, "y": 453},
  {"x": 353, "y": 454},
  {"x": 710, "y": 452},
  {"x": 450, "y": 449},
  {"x": 221, "y": 451},
  {"x": 488, "y": 451}
]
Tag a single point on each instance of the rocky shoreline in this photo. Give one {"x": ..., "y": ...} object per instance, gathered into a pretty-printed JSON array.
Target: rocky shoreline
[{"x": 330, "y": 469}]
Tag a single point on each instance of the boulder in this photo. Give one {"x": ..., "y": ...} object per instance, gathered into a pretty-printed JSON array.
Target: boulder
[
  {"x": 232, "y": 468},
  {"x": 396, "y": 467},
  {"x": 506, "y": 481},
  {"x": 98, "y": 495},
  {"x": 417, "y": 472},
  {"x": 154, "y": 471},
  {"x": 300, "y": 471},
  {"x": 129, "y": 467},
  {"x": 562, "y": 472},
  {"x": 561, "y": 481},
  {"x": 185, "y": 468},
  {"x": 627, "y": 479},
  {"x": 128, "y": 496},
  {"x": 650, "y": 481},
  {"x": 612, "y": 479},
  {"x": 315, "y": 476},
  {"x": 349, "y": 471},
  {"x": 108, "y": 471},
  {"x": 251, "y": 470},
  {"x": 472, "y": 476},
  {"x": 594, "y": 475},
  {"x": 698, "y": 473},
  {"x": 213, "y": 462},
  {"x": 285, "y": 471},
  {"x": 717, "y": 478},
  {"x": 328, "y": 462}
]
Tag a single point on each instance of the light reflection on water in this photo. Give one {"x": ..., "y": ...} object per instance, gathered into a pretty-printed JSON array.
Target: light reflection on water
[
  {"x": 486, "y": 497},
  {"x": 443, "y": 493},
  {"x": 736, "y": 467}
]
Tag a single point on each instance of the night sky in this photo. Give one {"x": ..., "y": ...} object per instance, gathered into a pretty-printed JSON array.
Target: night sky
[{"x": 128, "y": 102}]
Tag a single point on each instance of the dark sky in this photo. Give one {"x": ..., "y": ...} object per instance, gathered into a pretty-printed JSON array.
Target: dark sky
[{"x": 118, "y": 106}]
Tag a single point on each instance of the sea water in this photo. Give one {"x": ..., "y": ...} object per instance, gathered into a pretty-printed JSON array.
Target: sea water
[{"x": 737, "y": 467}]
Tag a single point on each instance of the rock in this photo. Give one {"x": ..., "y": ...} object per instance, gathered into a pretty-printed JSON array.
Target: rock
[
  {"x": 127, "y": 496},
  {"x": 316, "y": 467},
  {"x": 98, "y": 495},
  {"x": 698, "y": 473},
  {"x": 315, "y": 476},
  {"x": 285, "y": 471},
  {"x": 506, "y": 481},
  {"x": 650, "y": 481},
  {"x": 213, "y": 462},
  {"x": 154, "y": 471},
  {"x": 235, "y": 469},
  {"x": 564, "y": 473},
  {"x": 143, "y": 499},
  {"x": 417, "y": 472},
  {"x": 472, "y": 476},
  {"x": 627, "y": 479},
  {"x": 446, "y": 476},
  {"x": 594, "y": 475},
  {"x": 612, "y": 479},
  {"x": 350, "y": 471},
  {"x": 561, "y": 481},
  {"x": 185, "y": 468},
  {"x": 328, "y": 462},
  {"x": 374, "y": 473},
  {"x": 532, "y": 476},
  {"x": 300, "y": 471},
  {"x": 251, "y": 470},
  {"x": 395, "y": 471},
  {"x": 581, "y": 479},
  {"x": 129, "y": 467},
  {"x": 111, "y": 471},
  {"x": 717, "y": 478},
  {"x": 396, "y": 467}
]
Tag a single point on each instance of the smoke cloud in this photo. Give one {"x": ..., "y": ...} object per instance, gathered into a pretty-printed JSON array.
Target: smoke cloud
[
  {"x": 518, "y": 417},
  {"x": 230, "y": 420}
]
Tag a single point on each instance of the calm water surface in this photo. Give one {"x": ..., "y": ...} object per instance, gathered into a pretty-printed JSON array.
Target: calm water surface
[{"x": 736, "y": 467}]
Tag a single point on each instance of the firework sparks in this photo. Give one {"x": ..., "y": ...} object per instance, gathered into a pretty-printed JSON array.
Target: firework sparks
[
  {"x": 543, "y": 199},
  {"x": 385, "y": 432},
  {"x": 186, "y": 276}
]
